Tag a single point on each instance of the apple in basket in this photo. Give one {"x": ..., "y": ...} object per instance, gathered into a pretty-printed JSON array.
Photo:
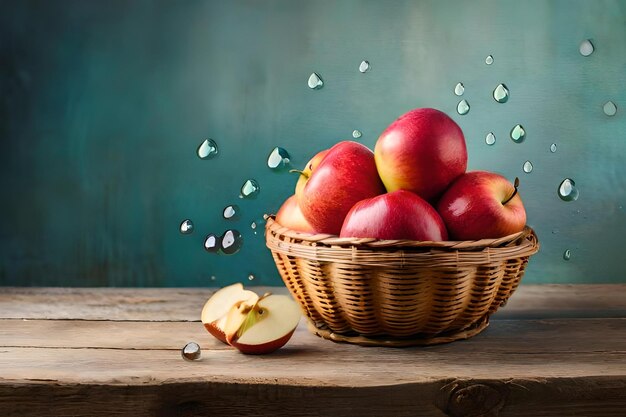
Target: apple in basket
[
  {"x": 423, "y": 151},
  {"x": 397, "y": 215},
  {"x": 482, "y": 205},
  {"x": 344, "y": 176},
  {"x": 252, "y": 324},
  {"x": 290, "y": 216},
  {"x": 308, "y": 170}
]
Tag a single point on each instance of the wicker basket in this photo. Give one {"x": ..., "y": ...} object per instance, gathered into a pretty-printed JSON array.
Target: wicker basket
[{"x": 398, "y": 292}]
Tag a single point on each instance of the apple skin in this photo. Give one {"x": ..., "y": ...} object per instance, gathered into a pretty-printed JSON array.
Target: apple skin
[
  {"x": 264, "y": 326},
  {"x": 290, "y": 216},
  {"x": 264, "y": 348},
  {"x": 423, "y": 151},
  {"x": 473, "y": 207},
  {"x": 216, "y": 332},
  {"x": 346, "y": 175},
  {"x": 397, "y": 215},
  {"x": 308, "y": 169}
]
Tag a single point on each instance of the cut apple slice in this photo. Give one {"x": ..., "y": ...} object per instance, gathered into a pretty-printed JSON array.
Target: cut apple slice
[
  {"x": 263, "y": 326},
  {"x": 217, "y": 307}
]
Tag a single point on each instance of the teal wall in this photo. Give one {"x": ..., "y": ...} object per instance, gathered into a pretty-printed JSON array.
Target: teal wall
[{"x": 104, "y": 103}]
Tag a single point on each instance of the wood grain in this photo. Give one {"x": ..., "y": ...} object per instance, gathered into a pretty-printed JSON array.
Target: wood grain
[
  {"x": 594, "y": 396},
  {"x": 184, "y": 304},
  {"x": 139, "y": 353},
  {"x": 72, "y": 361}
]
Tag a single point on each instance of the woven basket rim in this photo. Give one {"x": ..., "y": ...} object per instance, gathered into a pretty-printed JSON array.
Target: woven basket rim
[{"x": 334, "y": 240}]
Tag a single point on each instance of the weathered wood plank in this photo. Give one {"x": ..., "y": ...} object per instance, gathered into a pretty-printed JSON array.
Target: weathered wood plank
[
  {"x": 87, "y": 364},
  {"x": 590, "y": 397},
  {"x": 503, "y": 336},
  {"x": 185, "y": 304},
  {"x": 305, "y": 367},
  {"x": 98, "y": 352}
]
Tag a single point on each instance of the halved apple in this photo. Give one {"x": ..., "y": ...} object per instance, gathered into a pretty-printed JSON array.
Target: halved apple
[
  {"x": 216, "y": 309},
  {"x": 262, "y": 326}
]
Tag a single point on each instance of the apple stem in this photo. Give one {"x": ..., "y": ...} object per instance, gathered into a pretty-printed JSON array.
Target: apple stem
[
  {"x": 515, "y": 185},
  {"x": 299, "y": 172}
]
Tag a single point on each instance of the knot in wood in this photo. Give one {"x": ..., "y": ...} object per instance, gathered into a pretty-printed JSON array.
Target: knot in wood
[{"x": 477, "y": 400}]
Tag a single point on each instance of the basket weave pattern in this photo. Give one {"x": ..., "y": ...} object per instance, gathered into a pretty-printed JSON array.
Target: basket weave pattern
[{"x": 395, "y": 289}]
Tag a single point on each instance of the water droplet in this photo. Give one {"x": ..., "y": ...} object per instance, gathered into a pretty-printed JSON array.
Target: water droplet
[
  {"x": 250, "y": 189},
  {"x": 231, "y": 212},
  {"x": 490, "y": 139},
  {"x": 567, "y": 255},
  {"x": 256, "y": 225},
  {"x": 567, "y": 190},
  {"x": 186, "y": 227},
  {"x": 459, "y": 89},
  {"x": 212, "y": 243},
  {"x": 501, "y": 94},
  {"x": 315, "y": 81},
  {"x": 463, "y": 107},
  {"x": 518, "y": 134},
  {"x": 207, "y": 149},
  {"x": 191, "y": 351},
  {"x": 553, "y": 148},
  {"x": 251, "y": 277},
  {"x": 364, "y": 67},
  {"x": 231, "y": 242},
  {"x": 356, "y": 134},
  {"x": 609, "y": 108},
  {"x": 586, "y": 47},
  {"x": 489, "y": 60},
  {"x": 278, "y": 159},
  {"x": 528, "y": 167},
  {"x": 213, "y": 278}
]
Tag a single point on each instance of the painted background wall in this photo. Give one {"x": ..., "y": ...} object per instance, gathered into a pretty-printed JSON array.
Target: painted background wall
[{"x": 103, "y": 105}]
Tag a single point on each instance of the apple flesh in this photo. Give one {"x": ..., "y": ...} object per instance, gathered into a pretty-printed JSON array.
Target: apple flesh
[
  {"x": 482, "y": 205},
  {"x": 396, "y": 215},
  {"x": 262, "y": 326},
  {"x": 290, "y": 216},
  {"x": 423, "y": 151},
  {"x": 215, "y": 311},
  {"x": 345, "y": 175}
]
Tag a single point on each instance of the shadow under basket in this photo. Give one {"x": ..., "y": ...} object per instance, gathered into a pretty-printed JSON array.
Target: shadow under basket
[{"x": 398, "y": 292}]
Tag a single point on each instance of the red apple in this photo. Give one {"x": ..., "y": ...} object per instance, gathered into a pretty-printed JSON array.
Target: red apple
[
  {"x": 290, "y": 216},
  {"x": 263, "y": 326},
  {"x": 482, "y": 205},
  {"x": 396, "y": 215},
  {"x": 423, "y": 151},
  {"x": 215, "y": 310},
  {"x": 308, "y": 169},
  {"x": 346, "y": 175}
]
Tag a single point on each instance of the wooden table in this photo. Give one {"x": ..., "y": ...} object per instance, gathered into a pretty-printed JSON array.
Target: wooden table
[{"x": 553, "y": 350}]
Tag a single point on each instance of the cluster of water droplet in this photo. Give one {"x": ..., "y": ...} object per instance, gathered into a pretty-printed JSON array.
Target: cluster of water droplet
[
  {"x": 500, "y": 94},
  {"x": 566, "y": 190},
  {"x": 228, "y": 243},
  {"x": 279, "y": 159},
  {"x": 231, "y": 241}
]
